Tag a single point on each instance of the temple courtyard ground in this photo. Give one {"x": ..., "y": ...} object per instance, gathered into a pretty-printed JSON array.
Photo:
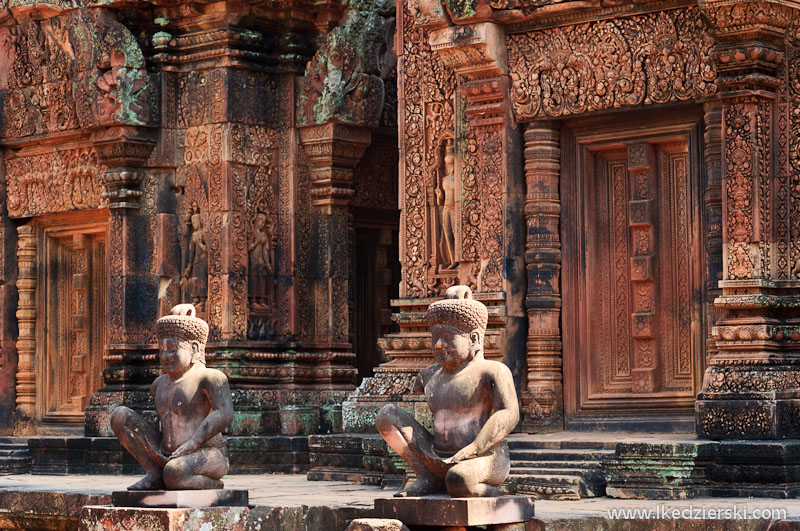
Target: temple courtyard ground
[{"x": 291, "y": 502}]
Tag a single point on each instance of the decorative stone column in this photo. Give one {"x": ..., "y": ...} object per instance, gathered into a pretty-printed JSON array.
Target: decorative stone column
[
  {"x": 334, "y": 151},
  {"x": 543, "y": 263},
  {"x": 750, "y": 389},
  {"x": 133, "y": 301},
  {"x": 26, "y": 319}
]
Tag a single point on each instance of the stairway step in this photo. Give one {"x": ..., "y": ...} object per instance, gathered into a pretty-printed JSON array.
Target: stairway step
[
  {"x": 526, "y": 463},
  {"x": 565, "y": 445},
  {"x": 561, "y": 455}
]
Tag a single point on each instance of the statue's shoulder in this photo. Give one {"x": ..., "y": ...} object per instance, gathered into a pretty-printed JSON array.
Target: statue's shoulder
[
  {"x": 496, "y": 369},
  {"x": 213, "y": 376}
]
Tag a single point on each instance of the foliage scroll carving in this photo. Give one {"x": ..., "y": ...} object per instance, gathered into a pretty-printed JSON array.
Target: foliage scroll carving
[{"x": 653, "y": 58}]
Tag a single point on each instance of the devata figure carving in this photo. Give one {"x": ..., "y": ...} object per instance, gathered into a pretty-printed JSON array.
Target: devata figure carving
[
  {"x": 474, "y": 406},
  {"x": 260, "y": 262},
  {"x": 195, "y": 276},
  {"x": 445, "y": 198},
  {"x": 194, "y": 405}
]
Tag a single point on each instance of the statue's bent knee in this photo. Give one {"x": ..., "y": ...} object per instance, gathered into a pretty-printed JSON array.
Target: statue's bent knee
[{"x": 119, "y": 418}]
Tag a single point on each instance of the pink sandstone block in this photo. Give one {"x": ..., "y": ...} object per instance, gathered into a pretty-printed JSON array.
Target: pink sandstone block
[{"x": 446, "y": 511}]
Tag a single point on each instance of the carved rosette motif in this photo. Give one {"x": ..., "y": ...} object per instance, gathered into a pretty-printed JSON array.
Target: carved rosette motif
[{"x": 644, "y": 59}]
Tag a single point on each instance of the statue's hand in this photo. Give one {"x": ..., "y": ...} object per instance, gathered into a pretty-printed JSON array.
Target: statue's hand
[
  {"x": 468, "y": 452},
  {"x": 186, "y": 448}
]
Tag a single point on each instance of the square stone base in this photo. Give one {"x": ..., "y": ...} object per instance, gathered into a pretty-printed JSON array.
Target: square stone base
[
  {"x": 104, "y": 518},
  {"x": 447, "y": 511},
  {"x": 191, "y": 499}
]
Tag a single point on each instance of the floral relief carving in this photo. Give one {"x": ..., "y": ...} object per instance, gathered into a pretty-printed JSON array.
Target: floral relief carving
[
  {"x": 58, "y": 181},
  {"x": 653, "y": 58}
]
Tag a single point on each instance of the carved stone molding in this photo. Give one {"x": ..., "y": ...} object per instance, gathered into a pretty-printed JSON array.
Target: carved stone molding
[
  {"x": 333, "y": 150},
  {"x": 476, "y": 50},
  {"x": 652, "y": 58}
]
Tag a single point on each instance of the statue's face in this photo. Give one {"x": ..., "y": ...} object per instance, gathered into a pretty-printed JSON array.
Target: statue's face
[
  {"x": 175, "y": 355},
  {"x": 452, "y": 348}
]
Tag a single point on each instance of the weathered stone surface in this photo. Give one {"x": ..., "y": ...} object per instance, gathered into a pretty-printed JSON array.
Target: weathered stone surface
[
  {"x": 376, "y": 524},
  {"x": 446, "y": 511},
  {"x": 99, "y": 518},
  {"x": 193, "y": 499}
]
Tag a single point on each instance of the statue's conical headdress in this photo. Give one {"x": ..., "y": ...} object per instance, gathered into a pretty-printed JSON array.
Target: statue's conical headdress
[
  {"x": 182, "y": 324},
  {"x": 460, "y": 310}
]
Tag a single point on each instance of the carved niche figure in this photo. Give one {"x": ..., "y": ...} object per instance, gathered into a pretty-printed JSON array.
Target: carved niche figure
[
  {"x": 195, "y": 276},
  {"x": 260, "y": 262},
  {"x": 194, "y": 406},
  {"x": 445, "y": 190},
  {"x": 474, "y": 406}
]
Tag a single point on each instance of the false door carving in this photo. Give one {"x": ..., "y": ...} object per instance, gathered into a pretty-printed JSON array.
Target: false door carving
[
  {"x": 637, "y": 290},
  {"x": 74, "y": 307}
]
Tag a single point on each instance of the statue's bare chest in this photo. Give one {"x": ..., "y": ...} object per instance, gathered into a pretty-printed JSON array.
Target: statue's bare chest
[
  {"x": 180, "y": 399},
  {"x": 462, "y": 391}
]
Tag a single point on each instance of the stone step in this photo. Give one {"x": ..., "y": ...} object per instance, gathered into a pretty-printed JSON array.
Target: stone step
[
  {"x": 522, "y": 444},
  {"x": 561, "y": 455},
  {"x": 552, "y": 486},
  {"x": 595, "y": 473},
  {"x": 15, "y": 465},
  {"x": 14, "y": 452},
  {"x": 571, "y": 465}
]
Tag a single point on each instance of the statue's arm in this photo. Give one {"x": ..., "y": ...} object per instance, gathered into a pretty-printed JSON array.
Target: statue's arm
[
  {"x": 501, "y": 422},
  {"x": 215, "y": 386}
]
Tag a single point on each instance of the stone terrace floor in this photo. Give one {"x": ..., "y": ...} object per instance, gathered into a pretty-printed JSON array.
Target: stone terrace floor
[{"x": 29, "y": 494}]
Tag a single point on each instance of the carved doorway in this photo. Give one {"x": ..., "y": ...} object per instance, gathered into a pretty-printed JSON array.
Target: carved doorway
[
  {"x": 632, "y": 275},
  {"x": 72, "y": 317}
]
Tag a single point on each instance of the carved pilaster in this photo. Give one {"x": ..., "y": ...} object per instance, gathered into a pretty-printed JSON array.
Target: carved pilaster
[
  {"x": 712, "y": 202},
  {"x": 26, "y": 319},
  {"x": 756, "y": 357},
  {"x": 543, "y": 263},
  {"x": 333, "y": 151}
]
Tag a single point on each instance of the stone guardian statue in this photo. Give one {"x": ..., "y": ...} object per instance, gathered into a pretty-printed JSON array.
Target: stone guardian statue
[
  {"x": 474, "y": 406},
  {"x": 194, "y": 406}
]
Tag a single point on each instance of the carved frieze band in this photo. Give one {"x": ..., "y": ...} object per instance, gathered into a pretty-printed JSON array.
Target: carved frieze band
[
  {"x": 58, "y": 181},
  {"x": 645, "y": 59}
]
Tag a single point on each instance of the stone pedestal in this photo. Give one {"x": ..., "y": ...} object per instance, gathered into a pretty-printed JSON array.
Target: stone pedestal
[
  {"x": 103, "y": 518},
  {"x": 191, "y": 499},
  {"x": 447, "y": 511}
]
